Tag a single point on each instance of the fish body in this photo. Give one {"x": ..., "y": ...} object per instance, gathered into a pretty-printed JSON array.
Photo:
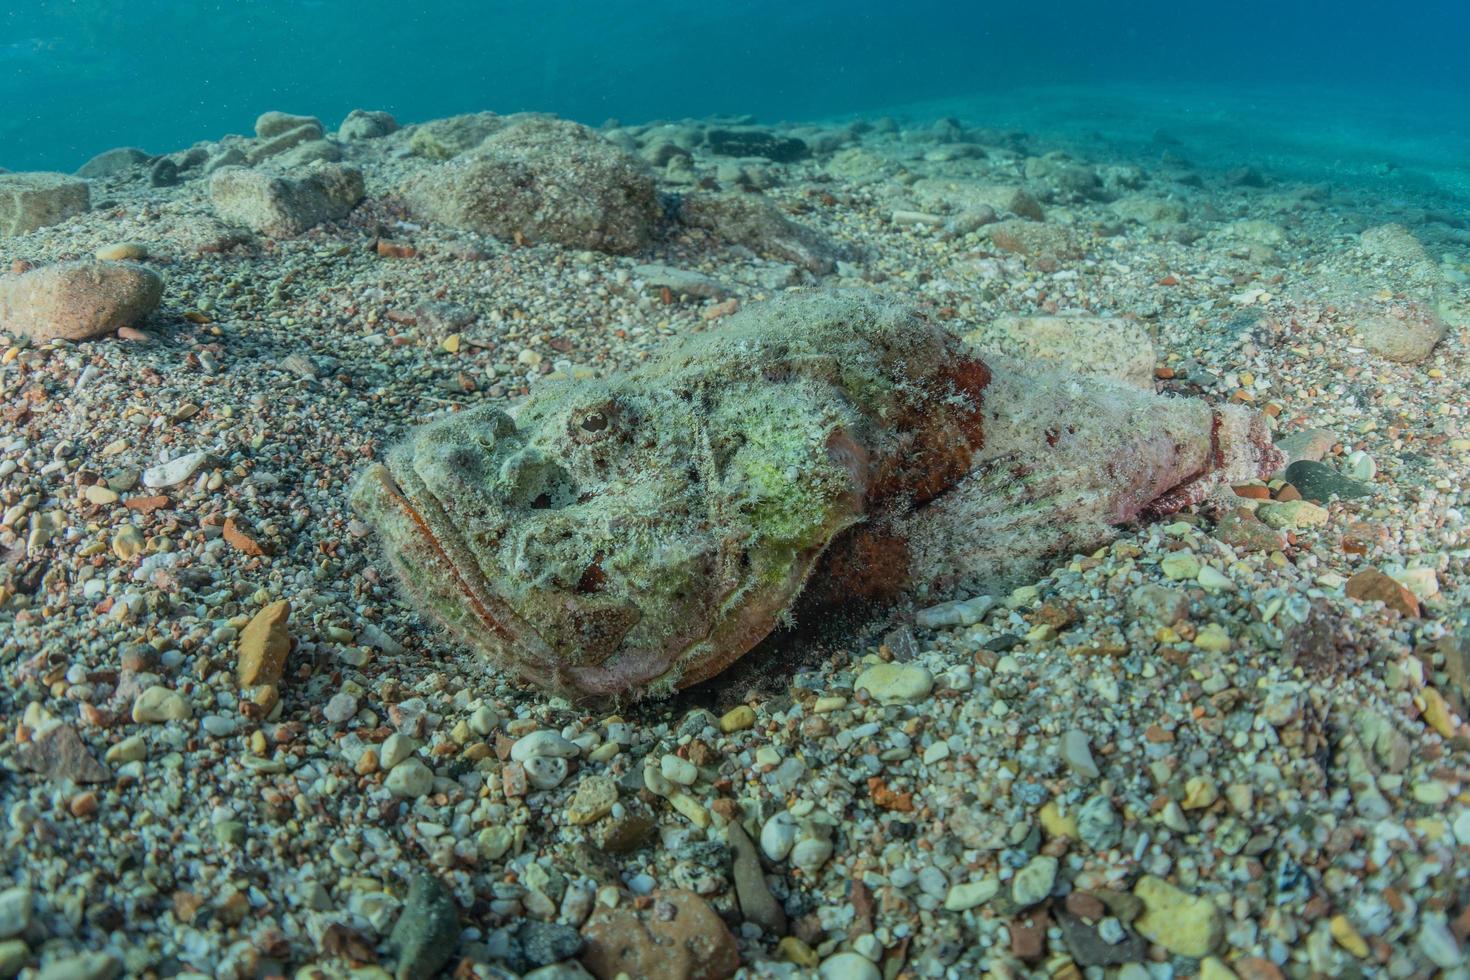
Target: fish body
[{"x": 637, "y": 534}]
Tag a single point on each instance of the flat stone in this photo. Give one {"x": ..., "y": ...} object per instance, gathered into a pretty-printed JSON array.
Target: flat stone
[
  {"x": 961, "y": 612},
  {"x": 756, "y": 143},
  {"x": 29, "y": 201},
  {"x": 271, "y": 124},
  {"x": 896, "y": 683},
  {"x": 681, "y": 281},
  {"x": 84, "y": 966},
  {"x": 1089, "y": 948},
  {"x": 59, "y": 753},
  {"x": 543, "y": 742},
  {"x": 263, "y": 645},
  {"x": 593, "y": 800},
  {"x": 426, "y": 934},
  {"x": 1319, "y": 482},
  {"x": 1181, "y": 923},
  {"x": 757, "y": 903},
  {"x": 285, "y": 206},
  {"x": 1371, "y": 585},
  {"x": 174, "y": 471},
  {"x": 78, "y": 300},
  {"x": 971, "y": 894},
  {"x": 1406, "y": 336},
  {"x": 677, "y": 937}
]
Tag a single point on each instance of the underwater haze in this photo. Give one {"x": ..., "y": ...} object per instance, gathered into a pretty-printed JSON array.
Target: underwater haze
[{"x": 1301, "y": 84}]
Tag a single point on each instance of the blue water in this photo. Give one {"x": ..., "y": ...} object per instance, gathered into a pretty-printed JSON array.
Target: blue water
[{"x": 1348, "y": 83}]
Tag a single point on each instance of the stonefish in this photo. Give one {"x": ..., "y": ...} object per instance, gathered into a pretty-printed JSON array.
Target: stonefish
[{"x": 629, "y": 536}]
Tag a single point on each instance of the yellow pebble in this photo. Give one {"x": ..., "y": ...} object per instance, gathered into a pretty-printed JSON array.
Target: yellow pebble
[
  {"x": 1437, "y": 713},
  {"x": 1347, "y": 937},
  {"x": 1057, "y": 824},
  {"x": 451, "y": 343},
  {"x": 793, "y": 950},
  {"x": 737, "y": 719},
  {"x": 1199, "y": 793}
]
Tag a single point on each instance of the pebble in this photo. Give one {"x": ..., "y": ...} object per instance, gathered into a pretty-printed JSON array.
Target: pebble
[
  {"x": 127, "y": 542},
  {"x": 15, "y": 911},
  {"x": 970, "y": 894},
  {"x": 263, "y": 645},
  {"x": 594, "y": 799},
  {"x": 1180, "y": 566},
  {"x": 83, "y": 966},
  {"x": 410, "y": 778},
  {"x": 1437, "y": 943},
  {"x": 778, "y": 835},
  {"x": 848, "y": 966},
  {"x": 174, "y": 471},
  {"x": 121, "y": 252},
  {"x": 340, "y": 708},
  {"x": 811, "y": 853},
  {"x": 963, "y": 612},
  {"x": 160, "y": 704},
  {"x": 395, "y": 749},
  {"x": 1294, "y": 514},
  {"x": 737, "y": 719},
  {"x": 546, "y": 771},
  {"x": 677, "y": 770},
  {"x": 1034, "y": 882},
  {"x": 1181, "y": 923},
  {"x": 1077, "y": 753},
  {"x": 14, "y": 954},
  {"x": 426, "y": 934},
  {"x": 757, "y": 903},
  {"x": 1319, "y": 482},
  {"x": 543, "y": 743},
  {"x": 896, "y": 683}
]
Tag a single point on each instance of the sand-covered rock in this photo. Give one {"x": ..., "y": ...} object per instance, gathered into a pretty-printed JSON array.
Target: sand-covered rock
[
  {"x": 34, "y": 200},
  {"x": 109, "y": 163},
  {"x": 544, "y": 180},
  {"x": 678, "y": 937},
  {"x": 366, "y": 124},
  {"x": 280, "y": 206},
  {"x": 279, "y": 143},
  {"x": 757, "y": 223},
  {"x": 1405, "y": 333},
  {"x": 443, "y": 139},
  {"x": 1033, "y": 239},
  {"x": 77, "y": 300},
  {"x": 1109, "y": 347},
  {"x": 272, "y": 124}
]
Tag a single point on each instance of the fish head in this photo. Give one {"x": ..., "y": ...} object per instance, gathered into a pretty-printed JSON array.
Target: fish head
[{"x": 623, "y": 537}]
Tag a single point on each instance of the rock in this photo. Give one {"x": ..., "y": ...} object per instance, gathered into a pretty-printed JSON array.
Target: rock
[
  {"x": 1109, "y": 347},
  {"x": 1306, "y": 444},
  {"x": 309, "y": 152},
  {"x": 231, "y": 156},
  {"x": 59, "y": 753},
  {"x": 1089, "y": 948},
  {"x": 35, "y": 200},
  {"x": 546, "y": 771},
  {"x": 593, "y": 800},
  {"x": 83, "y": 966},
  {"x": 1406, "y": 334},
  {"x": 443, "y": 139},
  {"x": 1320, "y": 483},
  {"x": 163, "y": 173},
  {"x": 848, "y": 965},
  {"x": 756, "y": 143},
  {"x": 681, "y": 281},
  {"x": 15, "y": 911},
  {"x": 973, "y": 196},
  {"x": 110, "y": 163},
  {"x": 78, "y": 300},
  {"x": 1044, "y": 242},
  {"x": 571, "y": 970},
  {"x": 1294, "y": 514},
  {"x": 263, "y": 645},
  {"x": 272, "y": 124},
  {"x": 1183, "y": 924},
  {"x": 961, "y": 612},
  {"x": 737, "y": 719},
  {"x": 410, "y": 779},
  {"x": 540, "y": 944},
  {"x": 160, "y": 704},
  {"x": 971, "y": 894},
  {"x": 1098, "y": 825},
  {"x": 1148, "y": 210},
  {"x": 1159, "y": 603},
  {"x": 544, "y": 181},
  {"x": 1438, "y": 943},
  {"x": 1077, "y": 754},
  {"x": 755, "y": 222},
  {"x": 427, "y": 931},
  {"x": 14, "y": 955},
  {"x": 340, "y": 708},
  {"x": 778, "y": 835},
  {"x": 281, "y": 206},
  {"x": 1371, "y": 585},
  {"x": 174, "y": 471},
  {"x": 678, "y": 937},
  {"x": 1033, "y": 883},
  {"x": 757, "y": 903},
  {"x": 543, "y": 742},
  {"x": 365, "y": 124},
  {"x": 896, "y": 683},
  {"x": 121, "y": 252}
]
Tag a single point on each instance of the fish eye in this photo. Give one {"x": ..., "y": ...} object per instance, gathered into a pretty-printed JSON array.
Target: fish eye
[{"x": 594, "y": 423}]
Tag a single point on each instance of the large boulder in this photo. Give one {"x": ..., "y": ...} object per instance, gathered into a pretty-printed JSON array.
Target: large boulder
[
  {"x": 34, "y": 200},
  {"x": 77, "y": 300},
  {"x": 111, "y": 162},
  {"x": 280, "y": 206},
  {"x": 757, "y": 223},
  {"x": 544, "y": 180}
]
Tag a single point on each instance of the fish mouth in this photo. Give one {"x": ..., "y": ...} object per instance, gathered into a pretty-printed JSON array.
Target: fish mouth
[{"x": 435, "y": 564}]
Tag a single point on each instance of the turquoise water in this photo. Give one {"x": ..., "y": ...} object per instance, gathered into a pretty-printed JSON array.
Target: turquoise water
[{"x": 1333, "y": 88}]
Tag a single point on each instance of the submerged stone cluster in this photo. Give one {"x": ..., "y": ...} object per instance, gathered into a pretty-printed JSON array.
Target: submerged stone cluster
[{"x": 638, "y": 534}]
